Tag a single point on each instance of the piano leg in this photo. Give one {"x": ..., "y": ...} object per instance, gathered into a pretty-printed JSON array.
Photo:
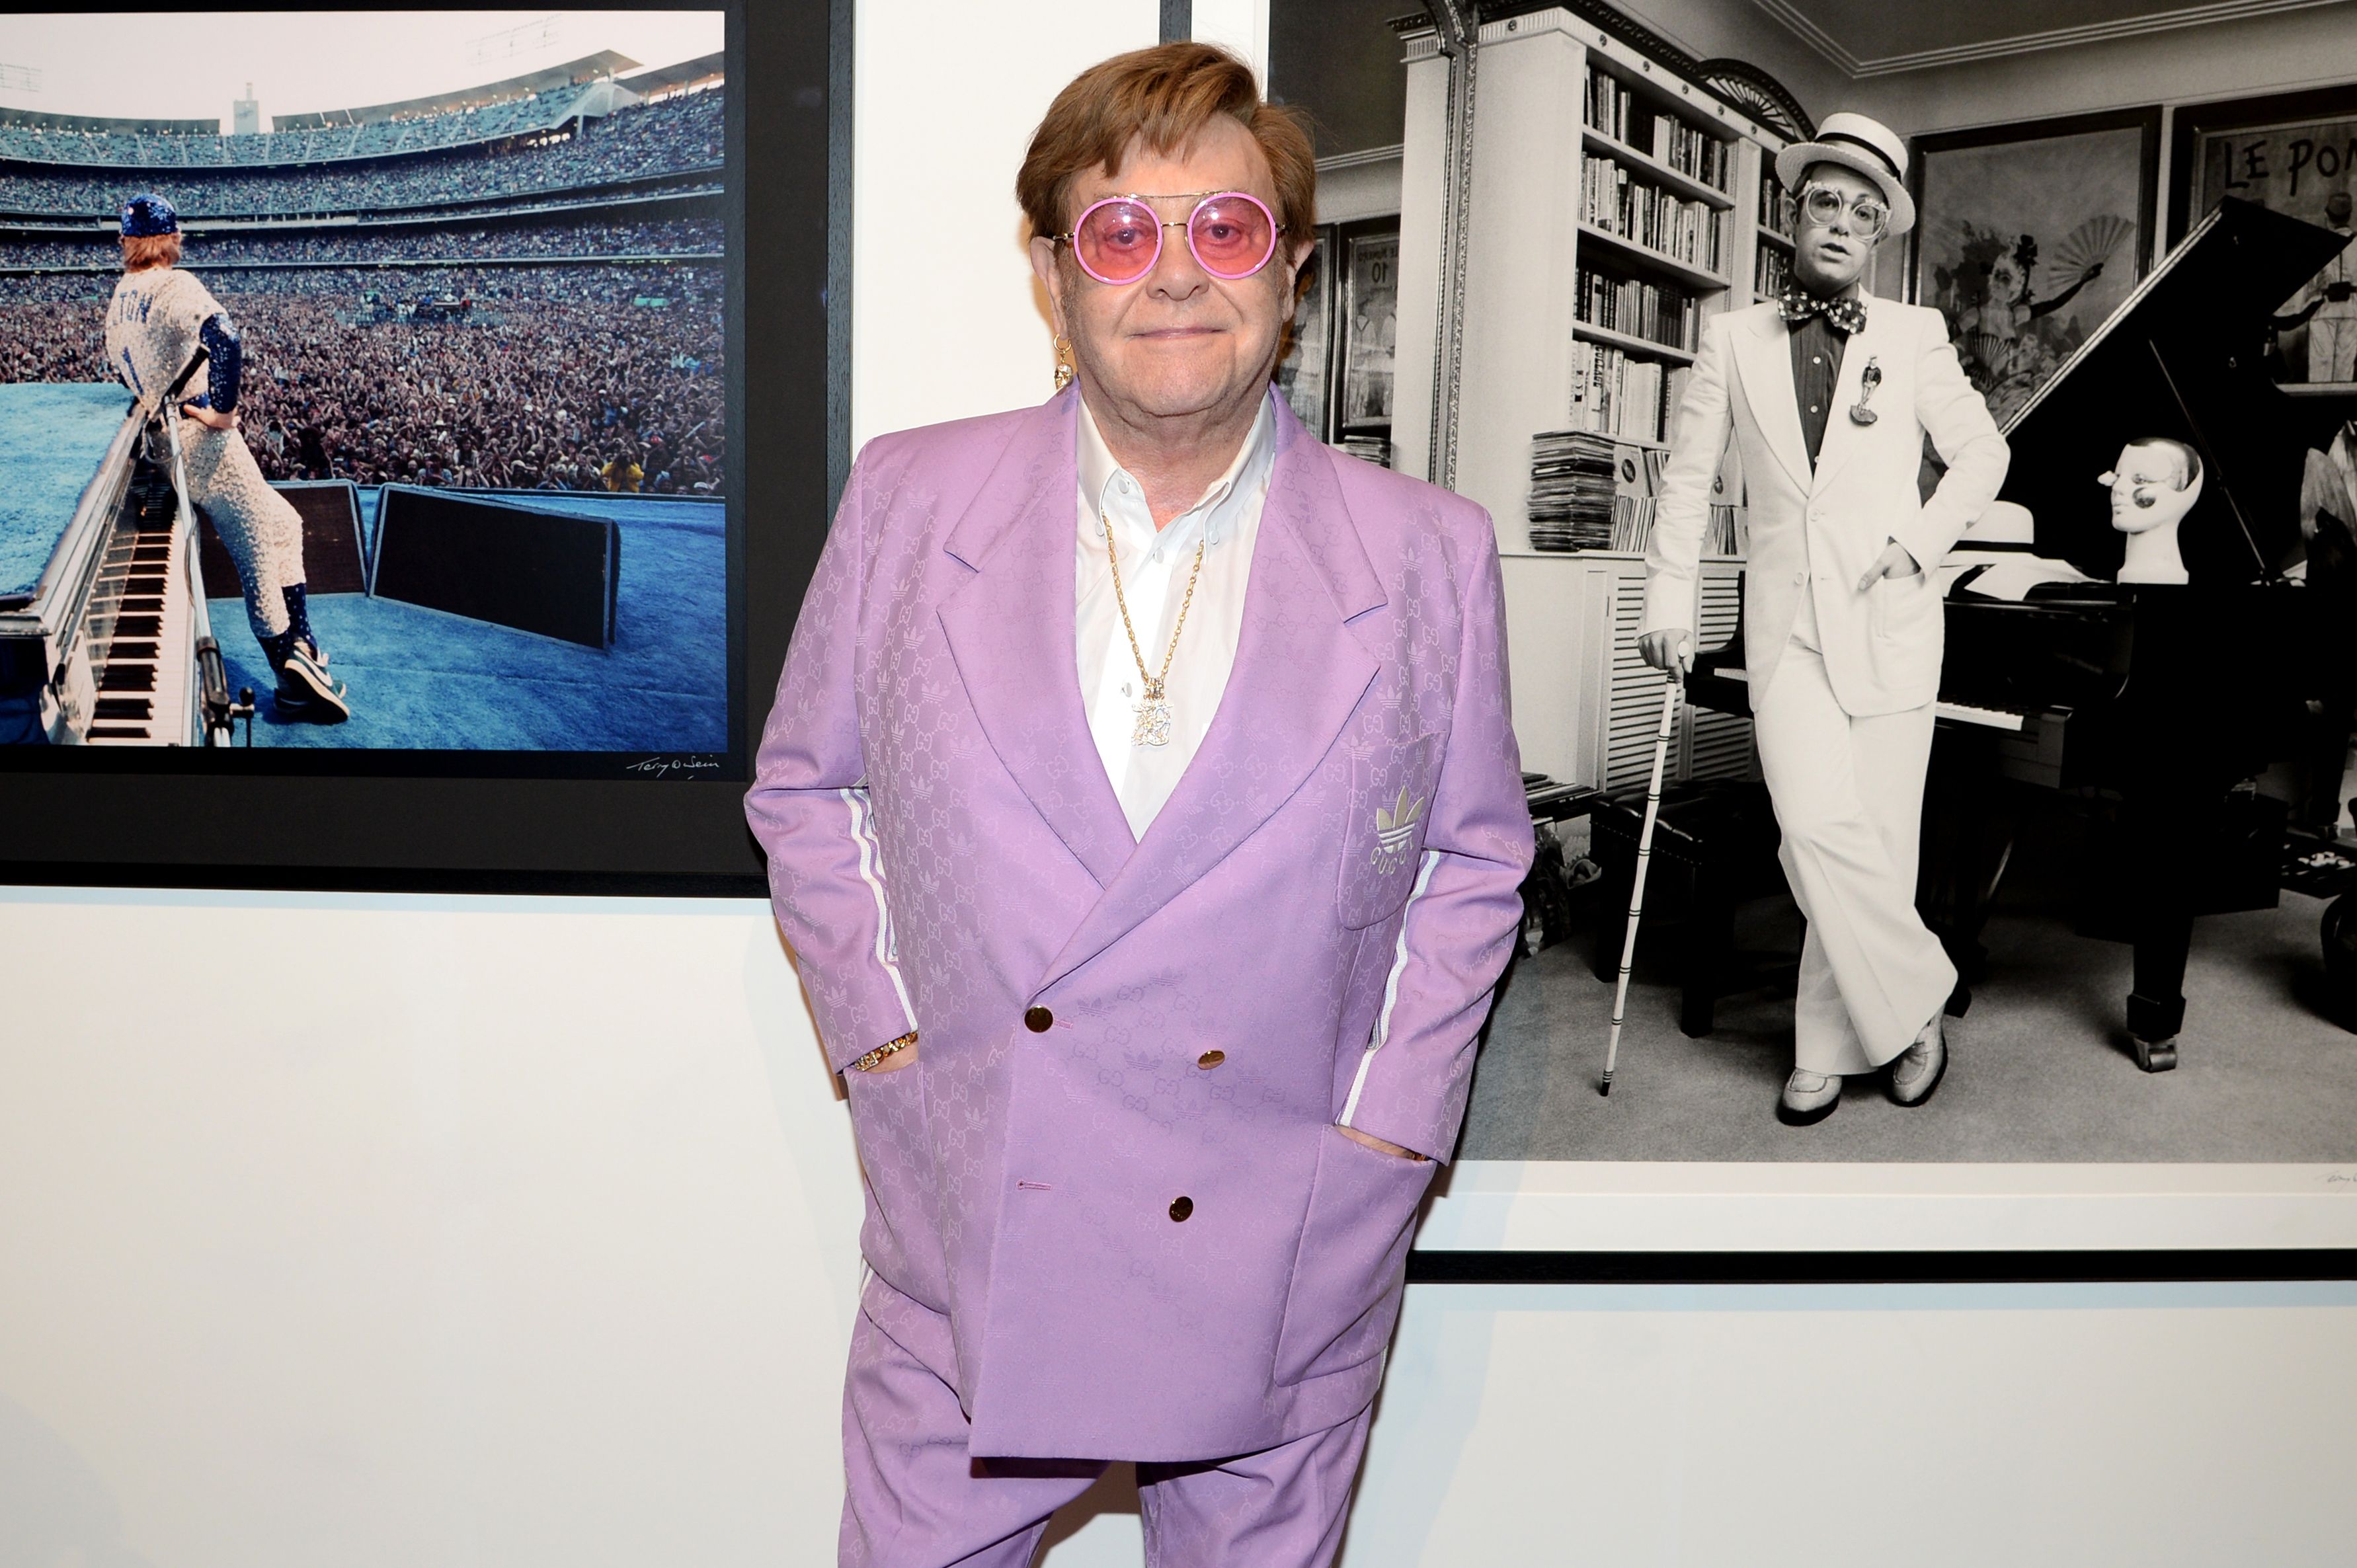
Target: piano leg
[
  {"x": 1970, "y": 819},
  {"x": 2169, "y": 832}
]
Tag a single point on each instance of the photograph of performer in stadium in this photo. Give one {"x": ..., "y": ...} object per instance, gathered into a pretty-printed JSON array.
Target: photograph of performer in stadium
[{"x": 363, "y": 382}]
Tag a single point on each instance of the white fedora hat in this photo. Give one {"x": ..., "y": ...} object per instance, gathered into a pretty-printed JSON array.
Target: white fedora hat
[{"x": 1855, "y": 141}]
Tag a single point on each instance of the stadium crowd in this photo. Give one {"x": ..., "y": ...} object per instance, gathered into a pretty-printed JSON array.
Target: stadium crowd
[
  {"x": 365, "y": 245},
  {"x": 395, "y": 133},
  {"x": 557, "y": 379},
  {"x": 677, "y": 134}
]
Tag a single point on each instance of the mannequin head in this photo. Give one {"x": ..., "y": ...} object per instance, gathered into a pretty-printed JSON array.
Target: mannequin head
[{"x": 2153, "y": 486}]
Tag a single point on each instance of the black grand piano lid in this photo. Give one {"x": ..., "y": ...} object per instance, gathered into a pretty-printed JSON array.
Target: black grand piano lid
[{"x": 2181, "y": 356}]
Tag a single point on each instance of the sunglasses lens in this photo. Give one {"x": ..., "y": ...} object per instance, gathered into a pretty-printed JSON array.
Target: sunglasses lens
[
  {"x": 1232, "y": 235},
  {"x": 1117, "y": 240}
]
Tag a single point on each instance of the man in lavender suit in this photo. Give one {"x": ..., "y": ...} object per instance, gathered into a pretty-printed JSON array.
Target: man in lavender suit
[{"x": 1143, "y": 809}]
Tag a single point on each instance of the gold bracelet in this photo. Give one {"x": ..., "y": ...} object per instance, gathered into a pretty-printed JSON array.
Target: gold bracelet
[{"x": 867, "y": 1063}]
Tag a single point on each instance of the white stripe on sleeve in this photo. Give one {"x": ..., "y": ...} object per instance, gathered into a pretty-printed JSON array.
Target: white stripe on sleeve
[
  {"x": 887, "y": 946},
  {"x": 1390, "y": 989}
]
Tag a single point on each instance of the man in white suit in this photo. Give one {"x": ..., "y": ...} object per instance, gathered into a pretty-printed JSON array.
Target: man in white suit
[{"x": 1831, "y": 395}]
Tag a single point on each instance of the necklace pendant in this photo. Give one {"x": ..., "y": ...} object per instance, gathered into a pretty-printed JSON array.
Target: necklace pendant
[{"x": 1153, "y": 718}]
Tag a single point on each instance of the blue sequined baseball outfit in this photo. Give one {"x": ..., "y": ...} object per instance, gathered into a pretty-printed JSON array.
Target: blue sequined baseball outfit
[{"x": 158, "y": 319}]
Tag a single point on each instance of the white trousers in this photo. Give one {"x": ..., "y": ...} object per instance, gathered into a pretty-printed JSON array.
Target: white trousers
[
  {"x": 1849, "y": 802},
  {"x": 2331, "y": 348}
]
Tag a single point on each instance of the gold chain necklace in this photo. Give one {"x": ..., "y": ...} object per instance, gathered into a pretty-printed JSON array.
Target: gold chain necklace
[{"x": 1154, "y": 712}]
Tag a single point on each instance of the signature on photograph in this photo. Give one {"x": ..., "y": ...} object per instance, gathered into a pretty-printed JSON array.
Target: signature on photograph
[{"x": 664, "y": 766}]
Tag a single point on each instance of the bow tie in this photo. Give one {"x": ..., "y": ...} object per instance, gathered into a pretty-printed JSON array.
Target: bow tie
[{"x": 1846, "y": 314}]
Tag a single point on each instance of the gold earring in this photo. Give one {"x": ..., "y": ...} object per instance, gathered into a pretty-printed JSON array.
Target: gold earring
[{"x": 1065, "y": 371}]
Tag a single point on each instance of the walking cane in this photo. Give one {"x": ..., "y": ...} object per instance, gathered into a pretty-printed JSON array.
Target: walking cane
[{"x": 1671, "y": 690}]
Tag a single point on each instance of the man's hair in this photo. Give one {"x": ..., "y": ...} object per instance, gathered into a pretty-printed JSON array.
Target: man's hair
[
  {"x": 2189, "y": 470},
  {"x": 1162, "y": 97},
  {"x": 141, "y": 252}
]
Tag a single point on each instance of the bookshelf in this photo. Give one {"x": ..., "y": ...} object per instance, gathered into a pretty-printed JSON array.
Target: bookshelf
[
  {"x": 1587, "y": 332},
  {"x": 1612, "y": 208},
  {"x": 1771, "y": 233}
]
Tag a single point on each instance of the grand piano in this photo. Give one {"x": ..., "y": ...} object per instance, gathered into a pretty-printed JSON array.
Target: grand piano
[
  {"x": 2146, "y": 710},
  {"x": 104, "y": 637}
]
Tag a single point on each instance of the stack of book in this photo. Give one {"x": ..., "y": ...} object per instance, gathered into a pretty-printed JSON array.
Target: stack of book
[
  {"x": 1618, "y": 201},
  {"x": 1375, "y": 449},
  {"x": 1771, "y": 272},
  {"x": 1611, "y": 107},
  {"x": 1774, "y": 216},
  {"x": 1573, "y": 483},
  {"x": 1692, "y": 151},
  {"x": 1666, "y": 315},
  {"x": 1623, "y": 395}
]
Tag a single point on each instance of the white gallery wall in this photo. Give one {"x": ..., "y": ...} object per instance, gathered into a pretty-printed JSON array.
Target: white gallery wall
[{"x": 519, "y": 1233}]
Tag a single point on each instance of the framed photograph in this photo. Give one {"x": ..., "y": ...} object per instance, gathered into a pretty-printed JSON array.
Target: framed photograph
[
  {"x": 2294, "y": 154},
  {"x": 1366, "y": 325},
  {"x": 1305, "y": 376},
  {"x": 2050, "y": 1151},
  {"x": 460, "y": 590},
  {"x": 2029, "y": 236}
]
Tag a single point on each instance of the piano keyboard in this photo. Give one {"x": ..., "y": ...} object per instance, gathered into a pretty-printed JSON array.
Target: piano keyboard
[
  {"x": 137, "y": 630},
  {"x": 1958, "y": 713}
]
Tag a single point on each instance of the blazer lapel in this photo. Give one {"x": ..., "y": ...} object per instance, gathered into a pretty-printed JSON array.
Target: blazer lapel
[
  {"x": 1763, "y": 357},
  {"x": 1842, "y": 434},
  {"x": 1297, "y": 678},
  {"x": 1010, "y": 634}
]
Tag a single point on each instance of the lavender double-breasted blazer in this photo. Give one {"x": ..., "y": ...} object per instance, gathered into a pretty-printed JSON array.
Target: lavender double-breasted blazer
[{"x": 1306, "y": 935}]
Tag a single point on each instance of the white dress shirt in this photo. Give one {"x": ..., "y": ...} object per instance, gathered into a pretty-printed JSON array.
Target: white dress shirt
[{"x": 1155, "y": 566}]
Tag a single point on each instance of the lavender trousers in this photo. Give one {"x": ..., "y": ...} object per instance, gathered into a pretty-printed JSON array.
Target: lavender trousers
[{"x": 917, "y": 1498}]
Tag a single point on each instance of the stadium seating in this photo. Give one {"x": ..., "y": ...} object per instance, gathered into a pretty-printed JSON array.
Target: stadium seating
[{"x": 377, "y": 167}]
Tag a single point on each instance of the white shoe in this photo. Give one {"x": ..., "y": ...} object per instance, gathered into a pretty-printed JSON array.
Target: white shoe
[
  {"x": 1808, "y": 1098},
  {"x": 1916, "y": 1071}
]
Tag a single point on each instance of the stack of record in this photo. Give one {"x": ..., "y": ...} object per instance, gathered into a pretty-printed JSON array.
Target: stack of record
[{"x": 1572, "y": 487}]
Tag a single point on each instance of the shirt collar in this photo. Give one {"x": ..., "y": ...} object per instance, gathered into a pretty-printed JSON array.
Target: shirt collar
[{"x": 1100, "y": 471}]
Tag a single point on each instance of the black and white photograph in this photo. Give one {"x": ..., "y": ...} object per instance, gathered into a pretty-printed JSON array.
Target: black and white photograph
[
  {"x": 2099, "y": 913},
  {"x": 364, "y": 382}
]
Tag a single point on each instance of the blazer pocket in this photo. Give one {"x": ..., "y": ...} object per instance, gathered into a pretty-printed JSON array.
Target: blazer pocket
[
  {"x": 895, "y": 1164},
  {"x": 1344, "y": 1296},
  {"x": 1896, "y": 605},
  {"x": 1383, "y": 841}
]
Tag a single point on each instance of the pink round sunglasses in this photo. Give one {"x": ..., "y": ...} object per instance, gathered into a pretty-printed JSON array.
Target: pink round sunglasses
[{"x": 1117, "y": 240}]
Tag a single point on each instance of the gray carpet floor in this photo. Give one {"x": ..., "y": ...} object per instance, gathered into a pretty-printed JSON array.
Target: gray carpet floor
[{"x": 2039, "y": 1068}]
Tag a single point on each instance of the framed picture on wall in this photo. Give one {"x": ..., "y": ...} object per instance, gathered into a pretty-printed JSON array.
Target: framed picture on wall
[
  {"x": 1366, "y": 335},
  {"x": 2029, "y": 236},
  {"x": 1305, "y": 376},
  {"x": 495, "y": 358},
  {"x": 2295, "y": 154}
]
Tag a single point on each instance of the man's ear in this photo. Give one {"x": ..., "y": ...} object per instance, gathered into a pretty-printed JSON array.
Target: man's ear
[{"x": 1051, "y": 278}]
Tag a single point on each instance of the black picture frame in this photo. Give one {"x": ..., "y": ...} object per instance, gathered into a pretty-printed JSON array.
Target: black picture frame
[
  {"x": 2272, "y": 175},
  {"x": 2191, "y": 122},
  {"x": 412, "y": 822},
  {"x": 1374, "y": 241},
  {"x": 1305, "y": 376},
  {"x": 2003, "y": 383}
]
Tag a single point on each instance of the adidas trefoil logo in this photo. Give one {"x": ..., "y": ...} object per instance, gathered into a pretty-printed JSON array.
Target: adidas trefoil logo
[{"x": 1395, "y": 829}]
